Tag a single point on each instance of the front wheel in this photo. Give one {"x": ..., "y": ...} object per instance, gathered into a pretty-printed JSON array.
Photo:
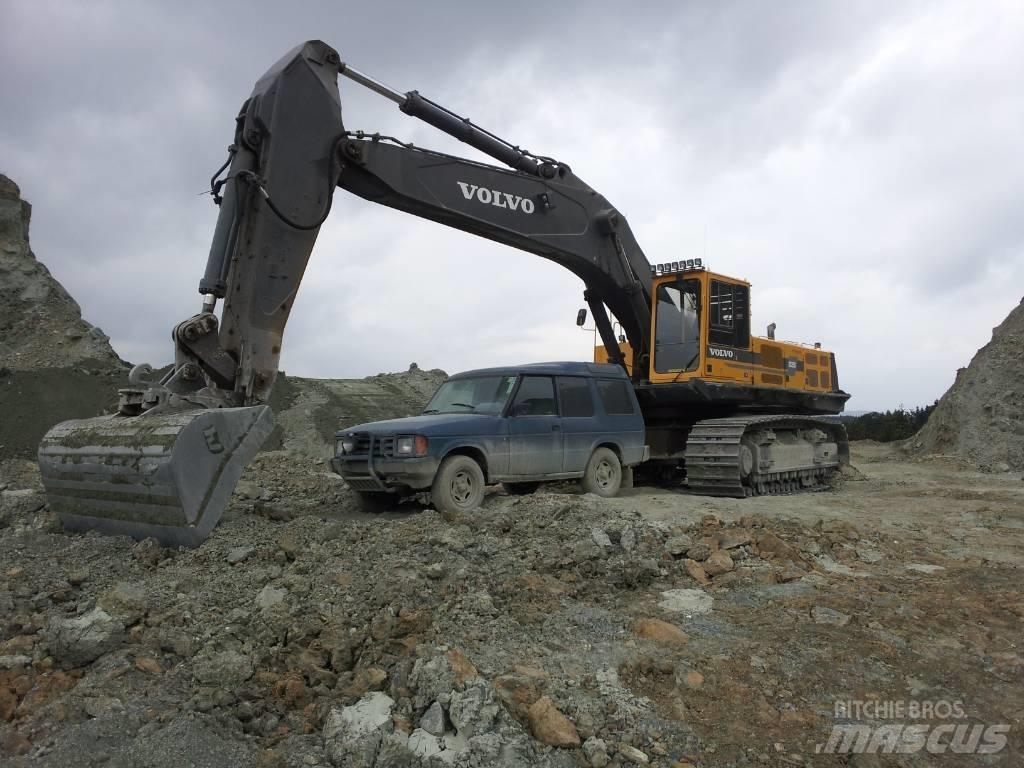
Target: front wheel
[
  {"x": 458, "y": 486},
  {"x": 603, "y": 475}
]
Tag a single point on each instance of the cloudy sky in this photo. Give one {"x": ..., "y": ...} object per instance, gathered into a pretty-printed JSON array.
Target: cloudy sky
[{"x": 859, "y": 162}]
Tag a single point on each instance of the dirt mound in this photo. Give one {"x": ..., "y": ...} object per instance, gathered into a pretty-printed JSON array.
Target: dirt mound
[
  {"x": 980, "y": 417},
  {"x": 41, "y": 326},
  {"x": 309, "y": 411}
]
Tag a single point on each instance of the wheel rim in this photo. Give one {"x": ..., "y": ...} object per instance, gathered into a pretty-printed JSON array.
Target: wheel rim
[
  {"x": 604, "y": 474},
  {"x": 463, "y": 488}
]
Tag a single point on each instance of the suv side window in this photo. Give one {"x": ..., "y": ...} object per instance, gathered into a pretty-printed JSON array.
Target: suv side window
[
  {"x": 615, "y": 397},
  {"x": 536, "y": 397},
  {"x": 574, "y": 392}
]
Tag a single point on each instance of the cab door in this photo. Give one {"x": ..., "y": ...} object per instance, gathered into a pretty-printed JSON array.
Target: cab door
[
  {"x": 677, "y": 329},
  {"x": 535, "y": 429}
]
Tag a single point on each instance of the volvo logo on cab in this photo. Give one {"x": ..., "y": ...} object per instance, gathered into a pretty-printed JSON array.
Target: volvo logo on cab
[
  {"x": 727, "y": 354},
  {"x": 496, "y": 198}
]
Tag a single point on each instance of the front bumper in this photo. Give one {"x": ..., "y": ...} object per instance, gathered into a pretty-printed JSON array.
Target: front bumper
[{"x": 385, "y": 474}]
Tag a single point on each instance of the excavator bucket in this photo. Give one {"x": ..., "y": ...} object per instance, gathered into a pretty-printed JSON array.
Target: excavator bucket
[{"x": 168, "y": 476}]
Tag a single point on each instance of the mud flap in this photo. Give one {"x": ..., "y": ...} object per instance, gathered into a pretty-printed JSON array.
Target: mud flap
[{"x": 168, "y": 476}]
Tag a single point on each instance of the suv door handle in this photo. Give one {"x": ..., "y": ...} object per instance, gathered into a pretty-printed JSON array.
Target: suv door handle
[{"x": 556, "y": 427}]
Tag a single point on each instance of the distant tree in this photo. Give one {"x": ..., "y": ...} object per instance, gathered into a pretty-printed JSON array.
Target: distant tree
[{"x": 898, "y": 424}]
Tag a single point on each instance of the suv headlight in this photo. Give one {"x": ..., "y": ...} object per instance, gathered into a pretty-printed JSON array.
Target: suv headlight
[
  {"x": 344, "y": 445},
  {"x": 411, "y": 445}
]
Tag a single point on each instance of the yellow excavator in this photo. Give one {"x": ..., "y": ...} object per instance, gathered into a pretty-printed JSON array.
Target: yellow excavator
[{"x": 729, "y": 413}]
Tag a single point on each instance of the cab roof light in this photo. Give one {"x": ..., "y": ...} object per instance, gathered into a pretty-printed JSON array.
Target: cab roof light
[{"x": 671, "y": 267}]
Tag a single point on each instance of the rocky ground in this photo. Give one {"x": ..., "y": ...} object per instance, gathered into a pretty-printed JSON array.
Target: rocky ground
[{"x": 555, "y": 629}]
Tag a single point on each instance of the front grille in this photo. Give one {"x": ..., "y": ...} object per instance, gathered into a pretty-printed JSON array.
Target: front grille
[
  {"x": 362, "y": 444},
  {"x": 383, "y": 446}
]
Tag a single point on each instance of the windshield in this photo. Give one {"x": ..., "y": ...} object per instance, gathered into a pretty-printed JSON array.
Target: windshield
[{"x": 475, "y": 394}]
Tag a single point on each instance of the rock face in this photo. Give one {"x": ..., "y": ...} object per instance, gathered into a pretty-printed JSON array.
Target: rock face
[
  {"x": 53, "y": 364},
  {"x": 41, "y": 326},
  {"x": 980, "y": 417}
]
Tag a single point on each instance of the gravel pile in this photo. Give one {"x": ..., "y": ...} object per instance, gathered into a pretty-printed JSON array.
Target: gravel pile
[
  {"x": 304, "y": 633},
  {"x": 981, "y": 417}
]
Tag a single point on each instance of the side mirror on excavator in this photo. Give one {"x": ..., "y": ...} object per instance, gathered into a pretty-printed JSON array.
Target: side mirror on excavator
[{"x": 581, "y": 317}]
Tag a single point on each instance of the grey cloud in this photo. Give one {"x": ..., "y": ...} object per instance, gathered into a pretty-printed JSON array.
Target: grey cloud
[{"x": 857, "y": 161}]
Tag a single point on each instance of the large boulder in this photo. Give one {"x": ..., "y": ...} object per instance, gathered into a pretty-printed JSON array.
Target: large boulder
[
  {"x": 353, "y": 735},
  {"x": 81, "y": 640}
]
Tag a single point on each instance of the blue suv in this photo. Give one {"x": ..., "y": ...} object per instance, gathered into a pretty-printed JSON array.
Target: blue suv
[{"x": 517, "y": 426}]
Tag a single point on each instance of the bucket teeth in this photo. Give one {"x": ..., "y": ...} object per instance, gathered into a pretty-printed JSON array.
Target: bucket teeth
[{"x": 168, "y": 476}]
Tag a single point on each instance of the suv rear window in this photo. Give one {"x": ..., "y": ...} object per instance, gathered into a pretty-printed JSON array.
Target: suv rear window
[
  {"x": 615, "y": 397},
  {"x": 536, "y": 397},
  {"x": 575, "y": 395}
]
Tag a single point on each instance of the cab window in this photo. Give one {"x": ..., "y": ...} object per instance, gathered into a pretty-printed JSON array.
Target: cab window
[
  {"x": 729, "y": 310},
  {"x": 677, "y": 326},
  {"x": 536, "y": 397}
]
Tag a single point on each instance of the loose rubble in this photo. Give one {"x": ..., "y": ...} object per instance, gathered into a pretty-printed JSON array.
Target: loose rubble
[{"x": 979, "y": 417}]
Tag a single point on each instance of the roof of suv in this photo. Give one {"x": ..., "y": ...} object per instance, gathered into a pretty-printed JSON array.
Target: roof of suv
[{"x": 565, "y": 368}]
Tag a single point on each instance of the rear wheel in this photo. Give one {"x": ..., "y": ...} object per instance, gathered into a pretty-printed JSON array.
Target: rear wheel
[
  {"x": 375, "y": 502},
  {"x": 458, "y": 486},
  {"x": 520, "y": 489},
  {"x": 603, "y": 475}
]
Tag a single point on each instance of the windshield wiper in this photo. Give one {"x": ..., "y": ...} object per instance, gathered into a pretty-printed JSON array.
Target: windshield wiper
[
  {"x": 466, "y": 405},
  {"x": 430, "y": 410}
]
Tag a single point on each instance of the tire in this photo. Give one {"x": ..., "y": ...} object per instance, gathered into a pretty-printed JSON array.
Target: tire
[
  {"x": 520, "y": 489},
  {"x": 458, "y": 486},
  {"x": 603, "y": 475},
  {"x": 375, "y": 502}
]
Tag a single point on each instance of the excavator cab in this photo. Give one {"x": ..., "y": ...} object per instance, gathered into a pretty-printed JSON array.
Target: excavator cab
[{"x": 701, "y": 331}]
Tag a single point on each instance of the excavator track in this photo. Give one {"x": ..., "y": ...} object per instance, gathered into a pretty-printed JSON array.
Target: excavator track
[{"x": 764, "y": 455}]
